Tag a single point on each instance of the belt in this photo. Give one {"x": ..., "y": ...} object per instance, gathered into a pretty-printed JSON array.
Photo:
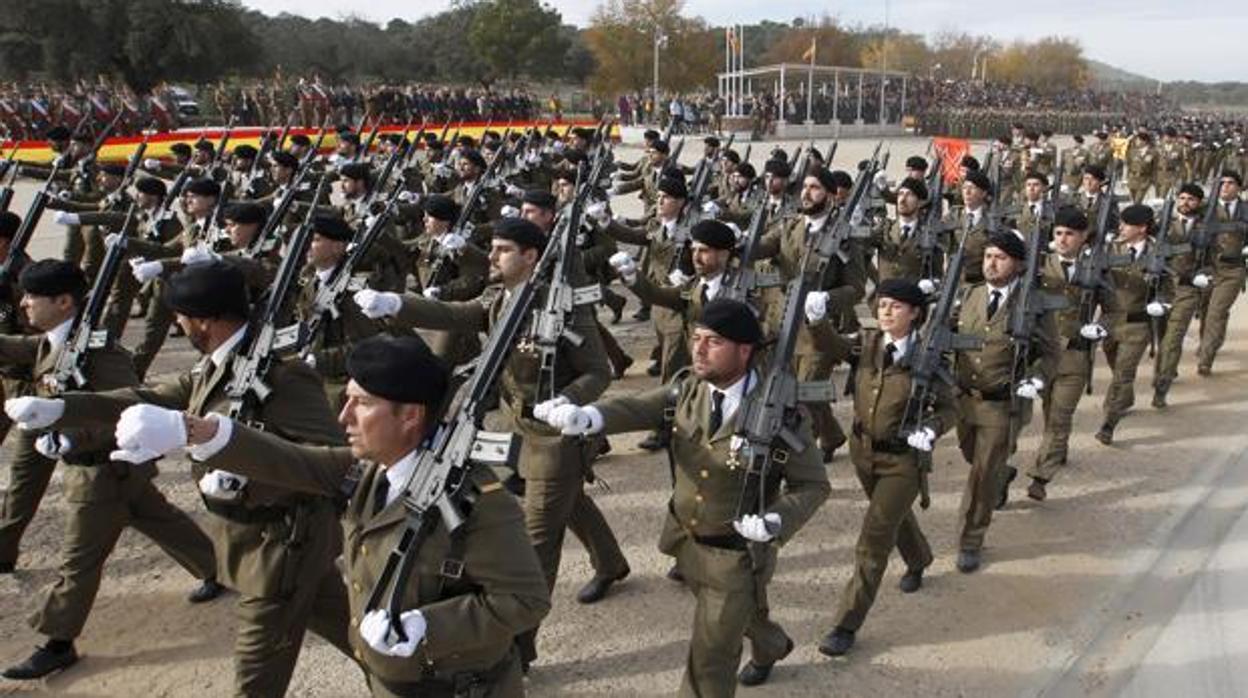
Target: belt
[
  {"x": 1078, "y": 344},
  {"x": 1000, "y": 394},
  {"x": 460, "y": 683},
  {"x": 1137, "y": 317},
  {"x": 890, "y": 446},
  {"x": 247, "y": 515},
  {"x": 724, "y": 541}
]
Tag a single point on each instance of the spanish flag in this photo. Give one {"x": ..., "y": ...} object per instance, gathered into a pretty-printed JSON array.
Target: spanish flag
[{"x": 810, "y": 52}]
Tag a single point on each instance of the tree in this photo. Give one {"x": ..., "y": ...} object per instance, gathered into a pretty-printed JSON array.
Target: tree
[
  {"x": 621, "y": 37},
  {"x": 897, "y": 51},
  {"x": 834, "y": 44},
  {"x": 518, "y": 36}
]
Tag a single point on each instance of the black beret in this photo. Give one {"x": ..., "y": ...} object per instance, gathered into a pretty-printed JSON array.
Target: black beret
[
  {"x": 970, "y": 162},
  {"x": 674, "y": 186},
  {"x": 332, "y": 227},
  {"x": 651, "y": 135},
  {"x": 711, "y": 141},
  {"x": 355, "y": 170},
  {"x": 351, "y": 138},
  {"x": 300, "y": 139},
  {"x": 1234, "y": 176},
  {"x": 979, "y": 179},
  {"x": 584, "y": 133},
  {"x": 82, "y": 137},
  {"x": 1070, "y": 217},
  {"x": 208, "y": 290},
  {"x": 496, "y": 136},
  {"x": 520, "y": 231},
  {"x": 1096, "y": 171},
  {"x": 713, "y": 234},
  {"x": 467, "y": 142},
  {"x": 841, "y": 179},
  {"x": 747, "y": 170},
  {"x": 247, "y": 213},
  {"x": 115, "y": 169},
  {"x": 154, "y": 186},
  {"x": 1078, "y": 138},
  {"x": 661, "y": 147},
  {"x": 1137, "y": 214},
  {"x": 1192, "y": 189},
  {"x": 245, "y": 151},
  {"x": 9, "y": 223},
  {"x": 1039, "y": 176},
  {"x": 540, "y": 198},
  {"x": 814, "y": 154},
  {"x": 916, "y": 187},
  {"x": 1008, "y": 242},
  {"x": 441, "y": 207},
  {"x": 432, "y": 141},
  {"x": 916, "y": 162},
  {"x": 573, "y": 157},
  {"x": 57, "y": 133},
  {"x": 777, "y": 167},
  {"x": 204, "y": 187},
  {"x": 900, "y": 289},
  {"x": 566, "y": 174},
  {"x": 52, "y": 277},
  {"x": 474, "y": 157},
  {"x": 826, "y": 180},
  {"x": 398, "y": 369},
  {"x": 180, "y": 149},
  {"x": 779, "y": 154},
  {"x": 732, "y": 320},
  {"x": 205, "y": 145},
  {"x": 285, "y": 159},
  {"x": 732, "y": 156}
]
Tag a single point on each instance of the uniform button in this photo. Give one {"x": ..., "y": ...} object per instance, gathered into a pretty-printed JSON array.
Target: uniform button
[
  {"x": 363, "y": 549},
  {"x": 355, "y": 586},
  {"x": 354, "y": 621},
  {"x": 705, "y": 474},
  {"x": 359, "y": 656},
  {"x": 693, "y": 522},
  {"x": 697, "y": 497}
]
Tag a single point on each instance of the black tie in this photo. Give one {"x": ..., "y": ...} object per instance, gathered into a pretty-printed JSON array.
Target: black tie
[
  {"x": 1134, "y": 255},
  {"x": 1066, "y": 269},
  {"x": 994, "y": 303},
  {"x": 706, "y": 293},
  {"x": 380, "y": 492},
  {"x": 905, "y": 232},
  {"x": 890, "y": 350},
  {"x": 717, "y": 410}
]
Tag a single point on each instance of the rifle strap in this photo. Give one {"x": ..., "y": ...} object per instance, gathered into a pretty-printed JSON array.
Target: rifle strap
[
  {"x": 452, "y": 567},
  {"x": 669, "y": 417}
]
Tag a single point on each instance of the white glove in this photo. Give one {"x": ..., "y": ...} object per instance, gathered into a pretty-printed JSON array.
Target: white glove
[
  {"x": 737, "y": 232},
  {"x": 573, "y": 420},
  {"x": 310, "y": 360},
  {"x": 147, "y": 432},
  {"x": 816, "y": 306},
  {"x": 377, "y": 304},
  {"x": 759, "y": 529},
  {"x": 198, "y": 254},
  {"x": 509, "y": 211},
  {"x": 1030, "y": 389},
  {"x": 443, "y": 170},
  {"x": 1093, "y": 332},
  {"x": 111, "y": 239},
  {"x": 431, "y": 293},
  {"x": 927, "y": 286},
  {"x": 34, "y": 412},
  {"x": 1066, "y": 189},
  {"x": 880, "y": 181},
  {"x": 711, "y": 209},
  {"x": 514, "y": 192},
  {"x": 1244, "y": 251},
  {"x": 452, "y": 243},
  {"x": 375, "y": 630},
  {"x": 1201, "y": 281},
  {"x": 66, "y": 218},
  {"x": 1156, "y": 308},
  {"x": 144, "y": 270},
  {"x": 678, "y": 278},
  {"x": 151, "y": 164},
  {"x": 624, "y": 265},
  {"x": 542, "y": 410},
  {"x": 922, "y": 439},
  {"x": 222, "y": 484},
  {"x": 53, "y": 445},
  {"x": 599, "y": 211},
  {"x": 409, "y": 197}
]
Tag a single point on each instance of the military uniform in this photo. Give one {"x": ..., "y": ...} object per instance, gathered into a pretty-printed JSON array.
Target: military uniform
[
  {"x": 728, "y": 581},
  {"x": 899, "y": 254},
  {"x": 1184, "y": 300},
  {"x": 1129, "y": 329},
  {"x": 1142, "y": 162},
  {"x": 971, "y": 226},
  {"x": 1170, "y": 166},
  {"x": 657, "y": 260},
  {"x": 1229, "y": 275},
  {"x": 335, "y": 336}
]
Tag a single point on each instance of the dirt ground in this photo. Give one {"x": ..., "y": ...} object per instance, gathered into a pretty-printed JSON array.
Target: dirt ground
[{"x": 1058, "y": 577}]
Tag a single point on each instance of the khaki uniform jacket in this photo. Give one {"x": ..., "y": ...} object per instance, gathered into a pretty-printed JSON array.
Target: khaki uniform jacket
[
  {"x": 976, "y": 240},
  {"x": 902, "y": 258},
  {"x": 471, "y": 620},
  {"x": 656, "y": 263},
  {"x": 581, "y": 374},
  {"x": 468, "y": 273},
  {"x": 335, "y": 336},
  {"x": 1131, "y": 290},
  {"x": 266, "y": 558},
  {"x": 1232, "y": 236}
]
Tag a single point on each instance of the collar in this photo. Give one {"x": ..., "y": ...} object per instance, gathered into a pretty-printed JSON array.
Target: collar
[
  {"x": 900, "y": 346},
  {"x": 713, "y": 284},
  {"x": 1005, "y": 290},
  {"x": 817, "y": 223},
  {"x": 734, "y": 393},
  {"x": 399, "y": 473},
  {"x": 219, "y": 354},
  {"x": 323, "y": 275},
  {"x": 57, "y": 336}
]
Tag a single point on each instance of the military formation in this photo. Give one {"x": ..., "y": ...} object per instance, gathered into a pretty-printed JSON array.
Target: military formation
[{"x": 359, "y": 312}]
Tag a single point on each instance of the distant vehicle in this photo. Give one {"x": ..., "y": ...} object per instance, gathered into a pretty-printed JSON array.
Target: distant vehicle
[{"x": 187, "y": 106}]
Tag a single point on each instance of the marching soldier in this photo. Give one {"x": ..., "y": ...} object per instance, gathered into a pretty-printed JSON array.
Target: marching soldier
[
  {"x": 1189, "y": 284},
  {"x": 899, "y": 256},
  {"x": 712, "y": 546},
  {"x": 1101, "y": 152},
  {"x": 1031, "y": 212},
  {"x": 1142, "y": 163},
  {"x": 970, "y": 223},
  {"x": 463, "y": 274},
  {"x": 1074, "y": 161},
  {"x": 1228, "y": 269},
  {"x": 1171, "y": 164}
]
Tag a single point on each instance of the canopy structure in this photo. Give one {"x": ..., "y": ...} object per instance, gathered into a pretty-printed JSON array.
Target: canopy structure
[{"x": 818, "y": 94}]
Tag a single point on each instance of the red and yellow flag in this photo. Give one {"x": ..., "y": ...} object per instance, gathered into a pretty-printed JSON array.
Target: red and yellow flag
[{"x": 810, "y": 52}]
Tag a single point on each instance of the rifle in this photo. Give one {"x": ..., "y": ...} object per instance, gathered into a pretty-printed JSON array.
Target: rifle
[
  {"x": 400, "y": 151},
  {"x": 315, "y": 150},
  {"x": 832, "y": 152},
  {"x": 262, "y": 342},
  {"x": 741, "y": 281},
  {"x": 1157, "y": 268},
  {"x": 88, "y": 160},
  {"x": 21, "y": 238},
  {"x": 67, "y": 374},
  {"x": 441, "y": 270},
  {"x": 1091, "y": 273},
  {"x": 278, "y": 216},
  {"x": 132, "y": 168},
  {"x": 267, "y": 145},
  {"x": 362, "y": 153},
  {"x": 795, "y": 176},
  {"x": 746, "y": 156},
  {"x": 212, "y": 169},
  {"x": 1206, "y": 233},
  {"x": 690, "y": 214},
  {"x": 929, "y": 364},
  {"x": 932, "y": 229},
  {"x": 7, "y": 168}
]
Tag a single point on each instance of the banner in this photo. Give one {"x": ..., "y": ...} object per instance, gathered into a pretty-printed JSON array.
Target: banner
[{"x": 951, "y": 152}]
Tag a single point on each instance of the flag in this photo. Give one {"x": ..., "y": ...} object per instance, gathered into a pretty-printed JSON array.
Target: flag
[
  {"x": 732, "y": 39},
  {"x": 810, "y": 52},
  {"x": 951, "y": 151}
]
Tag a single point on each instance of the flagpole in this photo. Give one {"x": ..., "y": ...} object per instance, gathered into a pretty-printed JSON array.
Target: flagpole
[{"x": 810, "y": 80}]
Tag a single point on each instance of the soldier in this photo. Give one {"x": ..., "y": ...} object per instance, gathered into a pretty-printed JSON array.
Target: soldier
[
  {"x": 103, "y": 496},
  {"x": 1130, "y": 323},
  {"x": 1101, "y": 152},
  {"x": 1142, "y": 163},
  {"x": 970, "y": 223},
  {"x": 991, "y": 381},
  {"x": 713, "y": 545},
  {"x": 1189, "y": 284},
  {"x": 1228, "y": 269},
  {"x": 274, "y": 546},
  {"x": 1090, "y": 196},
  {"x": 158, "y": 168},
  {"x": 898, "y": 240},
  {"x": 1074, "y": 161},
  {"x": 1032, "y": 209},
  {"x": 463, "y": 274},
  {"x": 649, "y": 180},
  {"x": 886, "y": 465},
  {"x": 1170, "y": 162},
  {"x": 553, "y": 467},
  {"x": 780, "y": 204},
  {"x": 459, "y": 629}
]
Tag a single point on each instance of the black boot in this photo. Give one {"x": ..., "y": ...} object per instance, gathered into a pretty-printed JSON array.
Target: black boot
[
  {"x": 1003, "y": 497},
  {"x": 54, "y": 656},
  {"x": 837, "y": 642},
  {"x": 208, "y": 590}
]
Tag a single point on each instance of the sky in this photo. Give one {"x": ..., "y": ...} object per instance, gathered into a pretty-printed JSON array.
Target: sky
[{"x": 1162, "y": 39}]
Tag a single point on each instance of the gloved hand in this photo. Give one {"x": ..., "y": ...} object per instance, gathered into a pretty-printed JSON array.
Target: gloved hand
[
  {"x": 573, "y": 420},
  {"x": 513, "y": 191},
  {"x": 880, "y": 180},
  {"x": 509, "y": 211},
  {"x": 922, "y": 439},
  {"x": 375, "y": 630},
  {"x": 737, "y": 232},
  {"x": 144, "y": 270},
  {"x": 151, "y": 164},
  {"x": 1201, "y": 281},
  {"x": 533, "y": 157},
  {"x": 1156, "y": 308},
  {"x": 542, "y": 410},
  {"x": 624, "y": 265},
  {"x": 1244, "y": 251},
  {"x": 678, "y": 278},
  {"x": 147, "y": 432},
  {"x": 66, "y": 218},
  {"x": 816, "y": 306},
  {"x": 599, "y": 211},
  {"x": 443, "y": 170},
  {"x": 759, "y": 529},
  {"x": 409, "y": 197},
  {"x": 432, "y": 293},
  {"x": 198, "y": 254},
  {"x": 111, "y": 239},
  {"x": 711, "y": 209},
  {"x": 928, "y": 286},
  {"x": 34, "y": 412},
  {"x": 310, "y": 360},
  {"x": 1093, "y": 332},
  {"x": 53, "y": 445},
  {"x": 1029, "y": 389},
  {"x": 451, "y": 243},
  {"x": 377, "y": 304},
  {"x": 222, "y": 484}
]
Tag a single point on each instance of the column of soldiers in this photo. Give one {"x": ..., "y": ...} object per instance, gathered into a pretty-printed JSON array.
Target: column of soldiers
[{"x": 395, "y": 269}]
